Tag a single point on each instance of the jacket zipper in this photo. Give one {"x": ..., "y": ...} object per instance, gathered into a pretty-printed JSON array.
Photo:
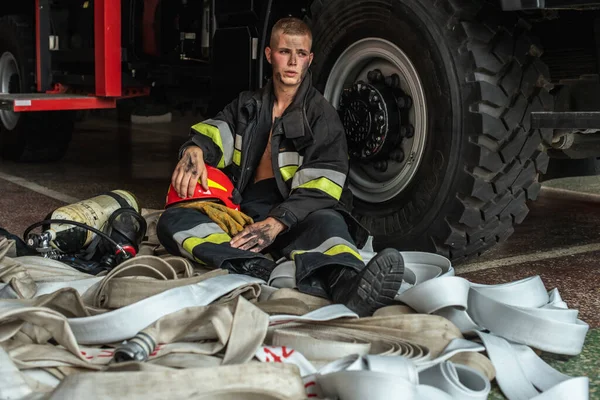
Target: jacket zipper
[
  {"x": 281, "y": 185},
  {"x": 246, "y": 154}
]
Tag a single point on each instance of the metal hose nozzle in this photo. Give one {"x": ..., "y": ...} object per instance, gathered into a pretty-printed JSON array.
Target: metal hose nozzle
[{"x": 137, "y": 348}]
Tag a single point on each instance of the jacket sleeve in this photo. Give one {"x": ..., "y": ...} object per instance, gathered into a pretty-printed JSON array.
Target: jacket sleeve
[
  {"x": 215, "y": 136},
  {"x": 318, "y": 183}
]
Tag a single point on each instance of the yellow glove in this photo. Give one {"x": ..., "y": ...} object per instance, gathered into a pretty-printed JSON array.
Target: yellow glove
[{"x": 231, "y": 221}]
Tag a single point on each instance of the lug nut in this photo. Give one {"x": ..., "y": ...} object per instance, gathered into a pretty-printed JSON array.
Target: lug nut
[
  {"x": 375, "y": 75},
  {"x": 404, "y": 102},
  {"x": 397, "y": 155},
  {"x": 393, "y": 81},
  {"x": 381, "y": 165}
]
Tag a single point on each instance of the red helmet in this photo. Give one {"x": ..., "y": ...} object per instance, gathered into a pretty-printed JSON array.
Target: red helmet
[{"x": 219, "y": 188}]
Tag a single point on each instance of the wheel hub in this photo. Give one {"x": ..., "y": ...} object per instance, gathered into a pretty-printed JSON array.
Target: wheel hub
[
  {"x": 396, "y": 148},
  {"x": 375, "y": 117}
]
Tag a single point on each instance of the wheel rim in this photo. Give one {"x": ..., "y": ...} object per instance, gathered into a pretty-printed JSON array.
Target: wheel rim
[
  {"x": 354, "y": 64},
  {"x": 10, "y": 79}
]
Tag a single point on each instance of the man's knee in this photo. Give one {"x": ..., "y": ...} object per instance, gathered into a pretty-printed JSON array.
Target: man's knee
[
  {"x": 165, "y": 222},
  {"x": 176, "y": 219}
]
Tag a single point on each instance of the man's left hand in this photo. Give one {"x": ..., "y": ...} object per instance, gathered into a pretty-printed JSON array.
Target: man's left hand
[{"x": 258, "y": 236}]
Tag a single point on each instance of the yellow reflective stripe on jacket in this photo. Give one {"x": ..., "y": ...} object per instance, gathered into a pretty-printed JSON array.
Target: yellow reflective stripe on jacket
[
  {"x": 324, "y": 185},
  {"x": 326, "y": 180},
  {"x": 288, "y": 172},
  {"x": 289, "y": 162},
  {"x": 289, "y": 158},
  {"x": 237, "y": 151},
  {"x": 308, "y": 174},
  {"x": 220, "y": 134}
]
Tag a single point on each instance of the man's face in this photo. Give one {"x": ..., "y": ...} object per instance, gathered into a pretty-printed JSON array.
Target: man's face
[{"x": 290, "y": 58}]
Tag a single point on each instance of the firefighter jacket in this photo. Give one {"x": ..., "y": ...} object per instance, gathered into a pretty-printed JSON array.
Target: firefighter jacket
[{"x": 308, "y": 149}]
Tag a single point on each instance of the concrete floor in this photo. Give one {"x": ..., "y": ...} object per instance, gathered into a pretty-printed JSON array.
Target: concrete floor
[{"x": 559, "y": 240}]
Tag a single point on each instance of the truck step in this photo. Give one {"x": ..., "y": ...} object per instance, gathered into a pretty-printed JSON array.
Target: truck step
[
  {"x": 579, "y": 120},
  {"x": 26, "y": 102}
]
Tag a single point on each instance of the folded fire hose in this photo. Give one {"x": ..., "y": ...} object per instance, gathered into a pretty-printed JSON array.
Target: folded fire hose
[{"x": 156, "y": 327}]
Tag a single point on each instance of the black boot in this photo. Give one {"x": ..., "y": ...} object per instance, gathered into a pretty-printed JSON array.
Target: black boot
[
  {"x": 257, "y": 267},
  {"x": 371, "y": 289}
]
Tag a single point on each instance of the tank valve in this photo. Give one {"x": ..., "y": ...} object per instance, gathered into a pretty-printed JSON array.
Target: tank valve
[{"x": 41, "y": 242}]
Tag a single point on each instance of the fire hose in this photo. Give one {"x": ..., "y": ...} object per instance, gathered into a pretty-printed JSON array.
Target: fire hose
[{"x": 372, "y": 358}]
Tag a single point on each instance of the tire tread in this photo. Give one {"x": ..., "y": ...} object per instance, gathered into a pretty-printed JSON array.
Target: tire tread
[
  {"x": 502, "y": 81},
  {"x": 512, "y": 81}
]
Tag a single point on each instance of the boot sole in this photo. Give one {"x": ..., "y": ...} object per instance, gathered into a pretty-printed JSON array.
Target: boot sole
[{"x": 381, "y": 281}]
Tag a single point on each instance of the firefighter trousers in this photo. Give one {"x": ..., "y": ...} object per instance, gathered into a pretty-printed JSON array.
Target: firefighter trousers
[{"x": 319, "y": 245}]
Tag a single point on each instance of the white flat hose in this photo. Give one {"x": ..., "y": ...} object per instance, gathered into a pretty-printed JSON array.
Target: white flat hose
[
  {"x": 507, "y": 318},
  {"x": 126, "y": 322}
]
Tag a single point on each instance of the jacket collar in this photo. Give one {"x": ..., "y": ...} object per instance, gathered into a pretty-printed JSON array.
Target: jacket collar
[
  {"x": 300, "y": 99},
  {"x": 293, "y": 117}
]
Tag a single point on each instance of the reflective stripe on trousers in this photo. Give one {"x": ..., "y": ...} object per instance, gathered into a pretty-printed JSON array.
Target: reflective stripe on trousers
[
  {"x": 321, "y": 240},
  {"x": 331, "y": 247},
  {"x": 207, "y": 232}
]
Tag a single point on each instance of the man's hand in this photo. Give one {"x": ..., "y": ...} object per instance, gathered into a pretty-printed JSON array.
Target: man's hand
[
  {"x": 258, "y": 236},
  {"x": 188, "y": 170}
]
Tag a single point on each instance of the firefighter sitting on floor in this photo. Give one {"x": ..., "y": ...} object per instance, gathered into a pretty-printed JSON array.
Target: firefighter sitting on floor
[{"x": 284, "y": 149}]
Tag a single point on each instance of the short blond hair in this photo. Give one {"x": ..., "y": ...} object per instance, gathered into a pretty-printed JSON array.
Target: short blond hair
[{"x": 290, "y": 26}]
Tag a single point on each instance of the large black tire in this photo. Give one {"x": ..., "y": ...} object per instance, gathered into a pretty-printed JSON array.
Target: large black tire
[
  {"x": 36, "y": 136},
  {"x": 482, "y": 77}
]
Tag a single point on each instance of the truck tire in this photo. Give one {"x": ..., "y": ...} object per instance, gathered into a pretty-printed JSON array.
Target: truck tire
[
  {"x": 34, "y": 136},
  {"x": 463, "y": 161}
]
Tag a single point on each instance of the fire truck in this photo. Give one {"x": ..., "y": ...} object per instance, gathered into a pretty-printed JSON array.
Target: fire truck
[{"x": 452, "y": 108}]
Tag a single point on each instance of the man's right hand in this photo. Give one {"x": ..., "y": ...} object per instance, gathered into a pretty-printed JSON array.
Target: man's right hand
[{"x": 187, "y": 172}]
